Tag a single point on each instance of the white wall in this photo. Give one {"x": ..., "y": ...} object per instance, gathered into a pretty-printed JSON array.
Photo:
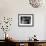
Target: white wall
[{"x": 11, "y": 8}]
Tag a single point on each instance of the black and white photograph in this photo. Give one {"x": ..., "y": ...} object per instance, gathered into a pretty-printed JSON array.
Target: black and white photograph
[{"x": 25, "y": 20}]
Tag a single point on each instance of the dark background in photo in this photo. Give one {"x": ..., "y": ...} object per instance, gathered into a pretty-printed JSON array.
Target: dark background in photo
[{"x": 25, "y": 19}]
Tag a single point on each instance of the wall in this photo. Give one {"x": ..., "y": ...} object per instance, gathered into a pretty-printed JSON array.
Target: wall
[{"x": 11, "y": 8}]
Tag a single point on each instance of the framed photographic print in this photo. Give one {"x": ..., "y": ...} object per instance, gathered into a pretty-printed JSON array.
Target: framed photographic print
[{"x": 25, "y": 20}]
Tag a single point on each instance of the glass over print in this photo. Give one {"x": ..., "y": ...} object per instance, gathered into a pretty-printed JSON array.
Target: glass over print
[{"x": 25, "y": 20}]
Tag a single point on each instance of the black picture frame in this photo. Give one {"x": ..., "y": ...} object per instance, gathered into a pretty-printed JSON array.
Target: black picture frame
[{"x": 25, "y": 20}]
